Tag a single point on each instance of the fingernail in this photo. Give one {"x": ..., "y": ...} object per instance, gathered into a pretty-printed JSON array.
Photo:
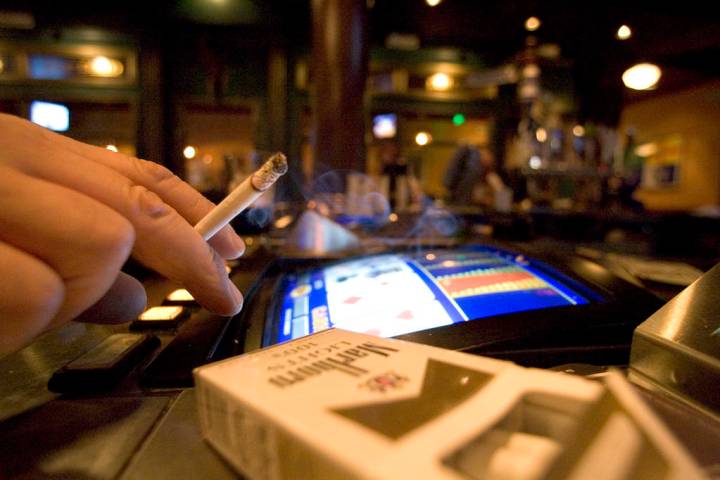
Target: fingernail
[
  {"x": 238, "y": 243},
  {"x": 237, "y": 296}
]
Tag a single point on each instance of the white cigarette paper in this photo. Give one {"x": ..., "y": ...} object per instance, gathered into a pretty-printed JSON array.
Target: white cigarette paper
[{"x": 243, "y": 195}]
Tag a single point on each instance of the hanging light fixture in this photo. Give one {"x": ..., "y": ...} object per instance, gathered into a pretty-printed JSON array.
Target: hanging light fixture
[
  {"x": 532, "y": 24},
  {"x": 623, "y": 33},
  {"x": 643, "y": 76}
]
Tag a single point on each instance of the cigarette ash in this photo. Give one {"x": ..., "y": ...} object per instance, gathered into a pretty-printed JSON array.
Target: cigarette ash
[{"x": 269, "y": 172}]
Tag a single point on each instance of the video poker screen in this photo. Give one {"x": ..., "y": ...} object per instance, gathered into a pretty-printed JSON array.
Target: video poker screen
[{"x": 398, "y": 293}]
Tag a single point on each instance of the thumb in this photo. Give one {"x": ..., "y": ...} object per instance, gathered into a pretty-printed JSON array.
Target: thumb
[{"x": 123, "y": 302}]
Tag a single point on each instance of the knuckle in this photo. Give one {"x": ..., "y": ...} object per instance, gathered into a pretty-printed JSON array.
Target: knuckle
[
  {"x": 154, "y": 170},
  {"x": 114, "y": 237},
  {"x": 147, "y": 202}
]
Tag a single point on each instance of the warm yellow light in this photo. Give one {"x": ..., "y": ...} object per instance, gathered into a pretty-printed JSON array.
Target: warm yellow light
[
  {"x": 161, "y": 313},
  {"x": 180, "y": 295},
  {"x": 532, "y": 24},
  {"x": 2, "y": 65},
  {"x": 393, "y": 217},
  {"x": 283, "y": 221},
  {"x": 189, "y": 152},
  {"x": 104, "y": 67},
  {"x": 423, "y": 138},
  {"x": 541, "y": 135},
  {"x": 111, "y": 147},
  {"x": 624, "y": 32},
  {"x": 579, "y": 131},
  {"x": 439, "y": 82},
  {"x": 646, "y": 149},
  {"x": 430, "y": 256},
  {"x": 531, "y": 70},
  {"x": 433, "y": 3},
  {"x": 642, "y": 76}
]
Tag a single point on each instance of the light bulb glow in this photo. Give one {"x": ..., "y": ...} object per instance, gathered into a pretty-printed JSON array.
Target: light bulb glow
[
  {"x": 439, "y": 82},
  {"x": 112, "y": 148},
  {"x": 423, "y": 138},
  {"x": 531, "y": 70},
  {"x": 433, "y": 3},
  {"x": 642, "y": 76},
  {"x": 624, "y": 32},
  {"x": 532, "y": 24},
  {"x": 189, "y": 152},
  {"x": 646, "y": 149},
  {"x": 104, "y": 67},
  {"x": 541, "y": 135},
  {"x": 578, "y": 131}
]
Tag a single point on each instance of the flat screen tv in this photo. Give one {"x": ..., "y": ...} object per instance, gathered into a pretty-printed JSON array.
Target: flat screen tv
[{"x": 54, "y": 116}]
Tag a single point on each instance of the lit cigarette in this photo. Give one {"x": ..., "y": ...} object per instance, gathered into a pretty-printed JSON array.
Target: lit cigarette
[{"x": 243, "y": 195}]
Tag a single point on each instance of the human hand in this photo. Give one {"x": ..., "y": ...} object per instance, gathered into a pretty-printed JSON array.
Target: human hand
[{"x": 72, "y": 213}]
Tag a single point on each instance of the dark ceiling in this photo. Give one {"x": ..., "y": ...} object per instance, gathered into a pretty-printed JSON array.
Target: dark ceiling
[{"x": 682, "y": 37}]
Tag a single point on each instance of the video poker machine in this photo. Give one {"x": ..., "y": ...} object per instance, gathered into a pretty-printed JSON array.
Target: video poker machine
[
  {"x": 535, "y": 310},
  {"x": 117, "y": 401}
]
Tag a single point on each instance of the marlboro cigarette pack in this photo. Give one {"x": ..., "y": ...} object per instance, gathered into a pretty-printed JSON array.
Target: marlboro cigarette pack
[{"x": 343, "y": 405}]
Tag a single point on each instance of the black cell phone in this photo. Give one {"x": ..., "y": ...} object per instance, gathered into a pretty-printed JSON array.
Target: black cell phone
[{"x": 104, "y": 365}]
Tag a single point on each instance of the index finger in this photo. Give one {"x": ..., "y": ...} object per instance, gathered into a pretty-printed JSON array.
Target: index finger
[{"x": 187, "y": 201}]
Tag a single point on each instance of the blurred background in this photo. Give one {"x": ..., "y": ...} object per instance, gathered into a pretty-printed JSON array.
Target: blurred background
[{"x": 583, "y": 122}]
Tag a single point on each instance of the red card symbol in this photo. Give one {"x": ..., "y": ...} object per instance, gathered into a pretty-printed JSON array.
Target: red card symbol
[{"x": 406, "y": 315}]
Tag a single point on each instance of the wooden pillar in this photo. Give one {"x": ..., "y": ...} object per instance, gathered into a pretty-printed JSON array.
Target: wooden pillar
[
  {"x": 339, "y": 71},
  {"x": 277, "y": 98},
  {"x": 150, "y": 111}
]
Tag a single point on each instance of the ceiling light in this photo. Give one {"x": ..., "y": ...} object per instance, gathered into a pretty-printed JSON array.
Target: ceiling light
[
  {"x": 423, "y": 138},
  {"x": 433, "y": 3},
  {"x": 541, "y": 135},
  {"x": 104, "y": 67},
  {"x": 532, "y": 24},
  {"x": 111, "y": 147},
  {"x": 189, "y": 152},
  {"x": 578, "y": 131},
  {"x": 642, "y": 76},
  {"x": 646, "y": 149},
  {"x": 531, "y": 70},
  {"x": 439, "y": 82},
  {"x": 623, "y": 33}
]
